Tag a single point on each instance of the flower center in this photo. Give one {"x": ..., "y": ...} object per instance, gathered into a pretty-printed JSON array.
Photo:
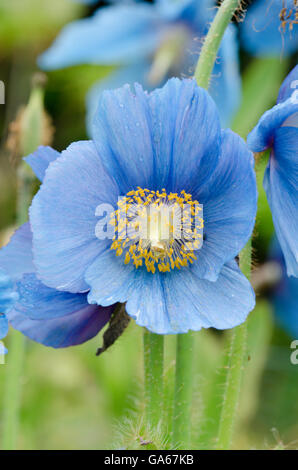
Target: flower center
[{"x": 158, "y": 230}]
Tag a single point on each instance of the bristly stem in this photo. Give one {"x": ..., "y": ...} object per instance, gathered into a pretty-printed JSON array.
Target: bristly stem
[
  {"x": 31, "y": 137},
  {"x": 236, "y": 350},
  {"x": 183, "y": 391},
  {"x": 153, "y": 367},
  {"x": 12, "y": 391},
  {"x": 212, "y": 41}
]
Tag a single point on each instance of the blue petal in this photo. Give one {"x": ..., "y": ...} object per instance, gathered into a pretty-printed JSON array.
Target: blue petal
[
  {"x": 64, "y": 331},
  {"x": 229, "y": 202},
  {"x": 173, "y": 302},
  {"x": 63, "y": 217},
  {"x": 40, "y": 160},
  {"x": 184, "y": 122},
  {"x": 281, "y": 186},
  {"x": 143, "y": 139},
  {"x": 114, "y": 35},
  {"x": 262, "y": 136},
  {"x": 16, "y": 257},
  {"x": 130, "y": 74},
  {"x": 109, "y": 279},
  {"x": 187, "y": 303},
  {"x": 262, "y": 32},
  {"x": 38, "y": 302},
  {"x": 30, "y": 300},
  {"x": 289, "y": 87}
]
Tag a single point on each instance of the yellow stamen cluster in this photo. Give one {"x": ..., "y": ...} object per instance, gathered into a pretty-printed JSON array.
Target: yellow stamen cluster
[{"x": 158, "y": 230}]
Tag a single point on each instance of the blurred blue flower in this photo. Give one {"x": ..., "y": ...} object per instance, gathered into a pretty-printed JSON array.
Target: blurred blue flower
[
  {"x": 50, "y": 317},
  {"x": 7, "y": 298},
  {"x": 277, "y": 130},
  {"x": 284, "y": 296},
  {"x": 164, "y": 146},
  {"x": 268, "y": 28},
  {"x": 151, "y": 42},
  {"x": 87, "y": 2}
]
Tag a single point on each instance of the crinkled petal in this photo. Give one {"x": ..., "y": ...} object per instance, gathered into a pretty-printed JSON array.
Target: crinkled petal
[
  {"x": 143, "y": 139},
  {"x": 63, "y": 217},
  {"x": 262, "y": 136},
  {"x": 262, "y": 32},
  {"x": 174, "y": 302},
  {"x": 183, "y": 302},
  {"x": 38, "y": 302},
  {"x": 229, "y": 202},
  {"x": 132, "y": 73},
  {"x": 64, "y": 331},
  {"x": 113, "y": 35},
  {"x": 281, "y": 186},
  {"x": 184, "y": 122},
  {"x": 40, "y": 160},
  {"x": 16, "y": 257},
  {"x": 109, "y": 279}
]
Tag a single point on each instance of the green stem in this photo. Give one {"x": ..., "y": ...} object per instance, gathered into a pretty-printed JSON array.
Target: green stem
[
  {"x": 212, "y": 41},
  {"x": 153, "y": 366},
  {"x": 236, "y": 350},
  {"x": 12, "y": 393},
  {"x": 183, "y": 391}
]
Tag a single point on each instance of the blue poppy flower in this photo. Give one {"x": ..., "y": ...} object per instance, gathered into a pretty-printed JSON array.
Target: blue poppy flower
[
  {"x": 277, "y": 130},
  {"x": 7, "y": 298},
  {"x": 160, "y": 149},
  {"x": 50, "y": 317},
  {"x": 269, "y": 28},
  {"x": 152, "y": 42},
  {"x": 284, "y": 295}
]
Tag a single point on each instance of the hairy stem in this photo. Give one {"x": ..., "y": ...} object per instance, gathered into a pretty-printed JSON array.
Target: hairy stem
[
  {"x": 212, "y": 41},
  {"x": 236, "y": 351},
  {"x": 183, "y": 391},
  {"x": 153, "y": 366}
]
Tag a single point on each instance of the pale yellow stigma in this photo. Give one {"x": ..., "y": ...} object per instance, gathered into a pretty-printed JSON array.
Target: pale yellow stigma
[{"x": 157, "y": 230}]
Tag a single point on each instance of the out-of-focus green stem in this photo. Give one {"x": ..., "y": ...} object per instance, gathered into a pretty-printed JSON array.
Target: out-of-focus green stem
[
  {"x": 153, "y": 367},
  {"x": 30, "y": 138},
  {"x": 236, "y": 351},
  {"x": 183, "y": 391},
  {"x": 212, "y": 41},
  {"x": 12, "y": 391}
]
